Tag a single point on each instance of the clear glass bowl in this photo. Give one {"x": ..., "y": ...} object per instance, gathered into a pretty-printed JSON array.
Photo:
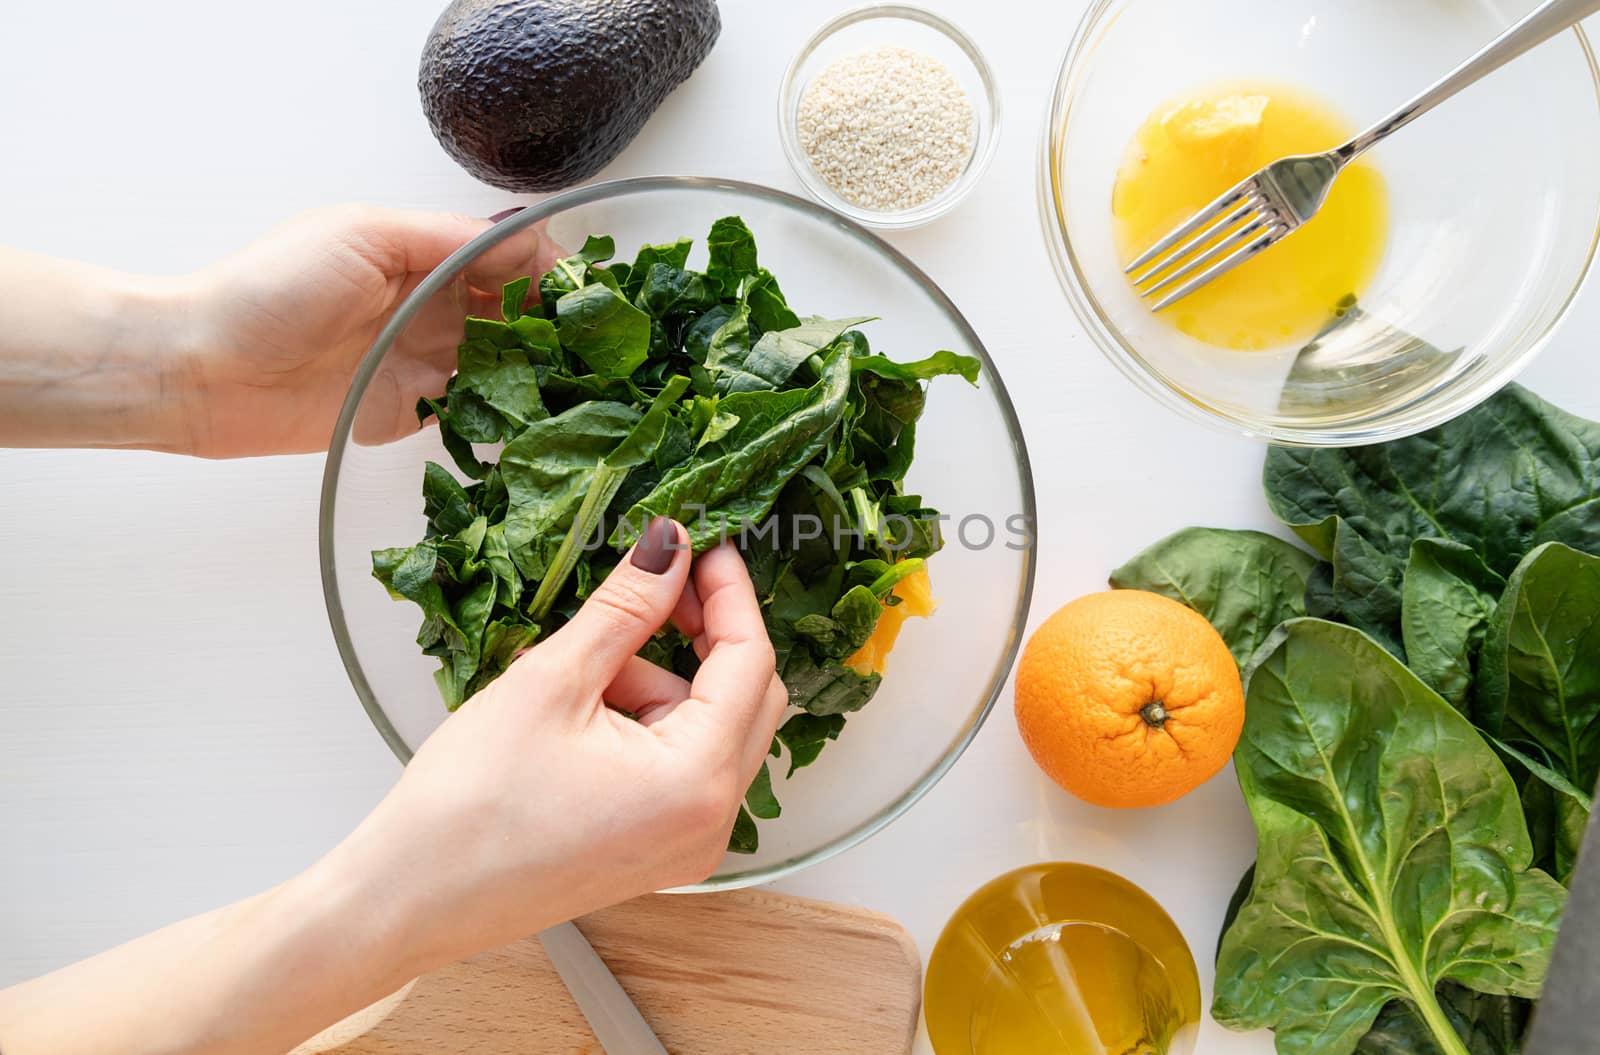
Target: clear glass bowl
[
  {"x": 1494, "y": 204},
  {"x": 1065, "y": 951},
  {"x": 879, "y": 25},
  {"x": 971, "y": 463}
]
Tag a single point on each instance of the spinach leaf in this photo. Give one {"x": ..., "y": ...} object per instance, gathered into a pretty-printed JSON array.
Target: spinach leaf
[
  {"x": 759, "y": 799},
  {"x": 935, "y": 365},
  {"x": 604, "y": 330},
  {"x": 497, "y": 561},
  {"x": 503, "y": 378},
  {"x": 1487, "y": 1023},
  {"x": 464, "y": 419},
  {"x": 667, "y": 291},
  {"x": 1244, "y": 582},
  {"x": 574, "y": 272},
  {"x": 737, "y": 367},
  {"x": 733, "y": 254},
  {"x": 1445, "y": 603},
  {"x": 886, "y": 576},
  {"x": 513, "y": 297},
  {"x": 672, "y": 254},
  {"x": 1358, "y": 585},
  {"x": 826, "y": 689},
  {"x": 921, "y": 536},
  {"x": 409, "y": 573},
  {"x": 1236, "y": 900},
  {"x": 769, "y": 310},
  {"x": 1392, "y": 854},
  {"x": 471, "y": 417},
  {"x": 565, "y": 391},
  {"x": 744, "y": 839},
  {"x": 777, "y": 434},
  {"x": 729, "y": 343},
  {"x": 1501, "y": 479},
  {"x": 471, "y": 613},
  {"x": 795, "y": 598},
  {"x": 805, "y": 735},
  {"x": 846, "y": 628},
  {"x": 451, "y": 628},
  {"x": 703, "y": 330},
  {"x": 635, "y": 449},
  {"x": 548, "y": 464},
  {"x": 444, "y": 501},
  {"x": 455, "y": 445},
  {"x": 548, "y": 470},
  {"x": 1539, "y": 687},
  {"x": 1556, "y": 822}
]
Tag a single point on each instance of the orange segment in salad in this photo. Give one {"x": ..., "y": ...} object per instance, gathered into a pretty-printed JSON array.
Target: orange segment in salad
[{"x": 916, "y": 599}]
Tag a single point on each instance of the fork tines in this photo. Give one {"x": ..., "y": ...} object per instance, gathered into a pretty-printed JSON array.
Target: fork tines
[{"x": 1236, "y": 226}]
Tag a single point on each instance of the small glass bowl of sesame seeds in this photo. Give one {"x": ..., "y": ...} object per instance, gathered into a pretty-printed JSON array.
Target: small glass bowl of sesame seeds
[{"x": 889, "y": 115}]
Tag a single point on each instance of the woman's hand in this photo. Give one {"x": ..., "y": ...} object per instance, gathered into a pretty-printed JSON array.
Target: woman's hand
[
  {"x": 280, "y": 327},
  {"x": 253, "y": 355},
  {"x": 536, "y": 802},
  {"x": 546, "y": 801}
]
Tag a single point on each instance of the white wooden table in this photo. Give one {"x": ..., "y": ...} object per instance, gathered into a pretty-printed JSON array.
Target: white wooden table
[{"x": 176, "y": 730}]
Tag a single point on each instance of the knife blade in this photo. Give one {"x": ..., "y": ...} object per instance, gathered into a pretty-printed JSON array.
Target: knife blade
[
  {"x": 1564, "y": 1021},
  {"x": 617, "y": 1023}
]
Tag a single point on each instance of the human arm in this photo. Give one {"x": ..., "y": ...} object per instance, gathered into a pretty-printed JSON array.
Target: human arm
[
  {"x": 534, "y": 803},
  {"x": 252, "y": 355}
]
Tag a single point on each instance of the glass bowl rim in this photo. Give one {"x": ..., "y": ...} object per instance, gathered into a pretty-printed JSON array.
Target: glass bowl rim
[
  {"x": 983, "y": 151},
  {"x": 447, "y": 272},
  {"x": 1405, "y": 419}
]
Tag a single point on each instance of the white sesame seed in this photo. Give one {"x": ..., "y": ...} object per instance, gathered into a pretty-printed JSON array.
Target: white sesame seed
[{"x": 888, "y": 129}]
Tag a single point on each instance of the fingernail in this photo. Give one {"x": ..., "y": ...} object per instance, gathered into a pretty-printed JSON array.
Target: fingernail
[
  {"x": 503, "y": 213},
  {"x": 654, "y": 551}
]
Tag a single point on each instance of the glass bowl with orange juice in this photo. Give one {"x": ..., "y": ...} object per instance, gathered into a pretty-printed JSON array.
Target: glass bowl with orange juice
[{"x": 1440, "y": 265}]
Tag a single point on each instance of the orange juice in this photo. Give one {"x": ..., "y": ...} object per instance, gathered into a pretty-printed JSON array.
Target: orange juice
[{"x": 1193, "y": 149}]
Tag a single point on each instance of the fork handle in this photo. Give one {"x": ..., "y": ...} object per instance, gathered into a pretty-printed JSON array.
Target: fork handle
[{"x": 1538, "y": 26}]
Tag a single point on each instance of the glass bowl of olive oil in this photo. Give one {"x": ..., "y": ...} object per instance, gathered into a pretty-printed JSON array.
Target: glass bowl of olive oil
[
  {"x": 1061, "y": 957},
  {"x": 1440, "y": 265}
]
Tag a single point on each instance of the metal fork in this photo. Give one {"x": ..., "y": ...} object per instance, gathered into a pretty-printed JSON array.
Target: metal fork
[{"x": 1266, "y": 208}]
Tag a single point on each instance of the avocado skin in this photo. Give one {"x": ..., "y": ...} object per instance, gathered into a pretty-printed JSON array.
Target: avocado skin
[{"x": 536, "y": 95}]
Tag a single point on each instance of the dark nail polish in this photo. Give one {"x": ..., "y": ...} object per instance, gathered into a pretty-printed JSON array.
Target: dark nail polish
[
  {"x": 655, "y": 549},
  {"x": 503, "y": 213}
]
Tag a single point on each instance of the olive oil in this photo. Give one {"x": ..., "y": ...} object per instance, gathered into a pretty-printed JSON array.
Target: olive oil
[{"x": 1061, "y": 958}]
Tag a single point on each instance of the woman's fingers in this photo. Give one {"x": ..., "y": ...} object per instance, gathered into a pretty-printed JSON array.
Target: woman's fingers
[
  {"x": 397, "y": 241},
  {"x": 731, "y": 686},
  {"x": 645, "y": 690},
  {"x": 630, "y": 605},
  {"x": 657, "y": 693},
  {"x": 739, "y": 662},
  {"x": 689, "y": 618},
  {"x": 768, "y": 717},
  {"x": 522, "y": 253}
]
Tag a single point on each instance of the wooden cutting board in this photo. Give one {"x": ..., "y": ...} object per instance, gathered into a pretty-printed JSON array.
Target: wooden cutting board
[{"x": 746, "y": 972}]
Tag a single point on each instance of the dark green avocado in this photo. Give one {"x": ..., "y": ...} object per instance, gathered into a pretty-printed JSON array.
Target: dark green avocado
[{"x": 536, "y": 95}]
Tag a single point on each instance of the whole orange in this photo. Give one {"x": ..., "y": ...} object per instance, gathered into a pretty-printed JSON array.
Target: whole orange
[{"x": 1128, "y": 698}]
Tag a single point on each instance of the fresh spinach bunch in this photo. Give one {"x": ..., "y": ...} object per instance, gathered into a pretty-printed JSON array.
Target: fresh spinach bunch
[
  {"x": 1393, "y": 856},
  {"x": 616, "y": 392},
  {"x": 1448, "y": 689}
]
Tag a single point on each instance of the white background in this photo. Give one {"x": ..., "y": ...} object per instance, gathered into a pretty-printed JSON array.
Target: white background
[{"x": 176, "y": 730}]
